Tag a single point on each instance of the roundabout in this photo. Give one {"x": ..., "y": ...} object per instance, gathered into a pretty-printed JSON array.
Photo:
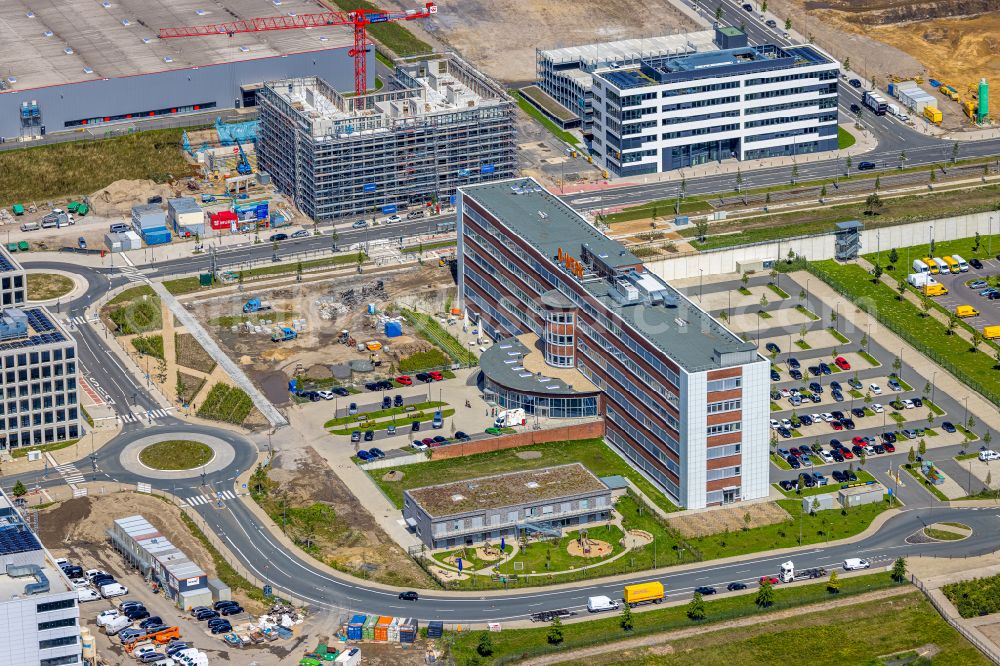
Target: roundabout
[
  {"x": 177, "y": 455},
  {"x": 44, "y": 286}
]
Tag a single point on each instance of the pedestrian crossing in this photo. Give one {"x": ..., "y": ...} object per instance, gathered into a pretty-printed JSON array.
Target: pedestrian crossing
[
  {"x": 70, "y": 473},
  {"x": 81, "y": 320},
  {"x": 199, "y": 500},
  {"x": 132, "y": 274},
  {"x": 132, "y": 417}
]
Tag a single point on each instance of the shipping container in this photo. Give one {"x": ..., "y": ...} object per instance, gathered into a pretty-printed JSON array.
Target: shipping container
[
  {"x": 393, "y": 329},
  {"x": 156, "y": 236},
  {"x": 149, "y": 216},
  {"x": 382, "y": 628},
  {"x": 408, "y": 630},
  {"x": 130, "y": 240},
  {"x": 368, "y": 633},
  {"x": 393, "y": 635},
  {"x": 355, "y": 628},
  {"x": 435, "y": 628},
  {"x": 222, "y": 220},
  {"x": 933, "y": 114},
  {"x": 186, "y": 216}
]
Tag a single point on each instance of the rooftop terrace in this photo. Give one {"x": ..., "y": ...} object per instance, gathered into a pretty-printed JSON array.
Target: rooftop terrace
[
  {"x": 633, "y": 49},
  {"x": 511, "y": 489}
]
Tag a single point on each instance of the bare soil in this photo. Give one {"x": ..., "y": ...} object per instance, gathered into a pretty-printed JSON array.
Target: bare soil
[
  {"x": 192, "y": 385},
  {"x": 720, "y": 520},
  {"x": 353, "y": 541},
  {"x": 500, "y": 36},
  {"x": 190, "y": 354}
]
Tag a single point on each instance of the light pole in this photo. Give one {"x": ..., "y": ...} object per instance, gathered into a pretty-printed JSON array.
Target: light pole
[
  {"x": 701, "y": 277},
  {"x": 965, "y": 419},
  {"x": 933, "y": 375}
]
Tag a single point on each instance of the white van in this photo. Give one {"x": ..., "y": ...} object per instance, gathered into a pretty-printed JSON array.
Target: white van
[
  {"x": 942, "y": 265},
  {"x": 113, "y": 590},
  {"x": 963, "y": 265},
  {"x": 598, "y": 604},
  {"x": 117, "y": 624},
  {"x": 920, "y": 267},
  {"x": 86, "y": 594},
  {"x": 855, "y": 563}
]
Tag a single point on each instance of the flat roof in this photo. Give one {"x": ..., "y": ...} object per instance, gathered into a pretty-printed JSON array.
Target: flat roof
[
  {"x": 504, "y": 490},
  {"x": 683, "y": 331},
  {"x": 8, "y": 264},
  {"x": 121, "y": 39},
  {"x": 518, "y": 364},
  {"x": 42, "y": 330},
  {"x": 633, "y": 49}
]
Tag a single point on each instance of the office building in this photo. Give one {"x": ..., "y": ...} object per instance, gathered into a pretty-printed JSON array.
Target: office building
[
  {"x": 438, "y": 125},
  {"x": 536, "y": 502},
  {"x": 39, "y": 402},
  {"x": 684, "y": 399},
  {"x": 39, "y": 611}
]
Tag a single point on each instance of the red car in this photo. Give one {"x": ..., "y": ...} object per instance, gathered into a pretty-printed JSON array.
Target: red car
[
  {"x": 435, "y": 375},
  {"x": 836, "y": 425},
  {"x": 405, "y": 380},
  {"x": 847, "y": 454},
  {"x": 889, "y": 448},
  {"x": 860, "y": 441},
  {"x": 842, "y": 363},
  {"x": 769, "y": 579}
]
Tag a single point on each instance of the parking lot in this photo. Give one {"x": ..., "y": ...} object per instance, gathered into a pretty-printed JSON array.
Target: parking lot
[{"x": 961, "y": 294}]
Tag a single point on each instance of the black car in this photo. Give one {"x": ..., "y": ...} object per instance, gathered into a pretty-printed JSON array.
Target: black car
[
  {"x": 410, "y": 595},
  {"x": 837, "y": 455},
  {"x": 814, "y": 370},
  {"x": 851, "y": 476},
  {"x": 879, "y": 449},
  {"x": 415, "y": 426},
  {"x": 440, "y": 439},
  {"x": 747, "y": 7},
  {"x": 815, "y": 387},
  {"x": 948, "y": 426},
  {"x": 771, "y": 23},
  {"x": 371, "y": 386},
  {"x": 917, "y": 402},
  {"x": 793, "y": 462},
  {"x": 858, "y": 411},
  {"x": 775, "y": 377},
  {"x": 786, "y": 484},
  {"x": 705, "y": 589},
  {"x": 794, "y": 362},
  {"x": 386, "y": 402},
  {"x": 835, "y": 386},
  {"x": 855, "y": 83},
  {"x": 824, "y": 368},
  {"x": 231, "y": 610},
  {"x": 422, "y": 377},
  {"x": 815, "y": 397},
  {"x": 462, "y": 436},
  {"x": 341, "y": 391},
  {"x": 855, "y": 108},
  {"x": 847, "y": 423},
  {"x": 206, "y": 615},
  {"x": 278, "y": 237},
  {"x": 975, "y": 263},
  {"x": 773, "y": 348},
  {"x": 838, "y": 476},
  {"x": 866, "y": 166},
  {"x": 397, "y": 401},
  {"x": 795, "y": 374},
  {"x": 736, "y": 586},
  {"x": 775, "y": 395},
  {"x": 136, "y": 614},
  {"x": 222, "y": 628},
  {"x": 219, "y": 605},
  {"x": 806, "y": 420},
  {"x": 385, "y": 385},
  {"x": 199, "y": 609},
  {"x": 217, "y": 621},
  {"x": 784, "y": 432},
  {"x": 150, "y": 622},
  {"x": 369, "y": 435},
  {"x": 807, "y": 480}
]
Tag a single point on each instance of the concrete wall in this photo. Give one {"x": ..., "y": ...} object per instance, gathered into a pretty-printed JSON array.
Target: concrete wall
[
  {"x": 822, "y": 246},
  {"x": 588, "y": 430},
  {"x": 175, "y": 88}
]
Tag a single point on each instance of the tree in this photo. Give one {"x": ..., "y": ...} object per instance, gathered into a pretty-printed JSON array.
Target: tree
[
  {"x": 822, "y": 191},
  {"x": 847, "y": 64},
  {"x": 899, "y": 570},
  {"x": 696, "y": 607},
  {"x": 977, "y": 337},
  {"x": 765, "y": 595},
  {"x": 897, "y": 365},
  {"x": 763, "y": 300},
  {"x": 555, "y": 635},
  {"x": 954, "y": 152},
  {"x": 795, "y": 173},
  {"x": 863, "y": 342},
  {"x": 833, "y": 585},
  {"x": 922, "y": 447},
  {"x": 767, "y": 199},
  {"x": 902, "y": 157},
  {"x": 930, "y": 417},
  {"x": 893, "y": 256},
  {"x": 976, "y": 244},
  {"x": 848, "y": 161},
  {"x": 626, "y": 622},
  {"x": 701, "y": 227},
  {"x": 911, "y": 456},
  {"x": 952, "y": 323},
  {"x": 987, "y": 438},
  {"x": 877, "y": 273},
  {"x": 878, "y": 183},
  {"x": 971, "y": 423},
  {"x": 485, "y": 645},
  {"x": 739, "y": 180},
  {"x": 718, "y": 13},
  {"x": 802, "y": 331},
  {"x": 747, "y": 519},
  {"x": 788, "y": 24},
  {"x": 927, "y": 389},
  {"x": 925, "y": 304},
  {"x": 815, "y": 506},
  {"x": 900, "y": 289},
  {"x": 745, "y": 279},
  {"x": 773, "y": 275},
  {"x": 800, "y": 485},
  {"x": 873, "y": 203},
  {"x": 763, "y": 7},
  {"x": 933, "y": 175},
  {"x": 19, "y": 490}
]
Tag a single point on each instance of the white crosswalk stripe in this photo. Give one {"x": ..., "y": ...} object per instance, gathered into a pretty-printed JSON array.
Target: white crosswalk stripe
[
  {"x": 70, "y": 473},
  {"x": 199, "y": 500},
  {"x": 133, "y": 417},
  {"x": 132, "y": 274}
]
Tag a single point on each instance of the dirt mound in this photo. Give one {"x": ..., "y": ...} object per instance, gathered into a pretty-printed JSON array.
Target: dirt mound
[
  {"x": 734, "y": 519},
  {"x": 394, "y": 475},
  {"x": 119, "y": 197},
  {"x": 887, "y": 12}
]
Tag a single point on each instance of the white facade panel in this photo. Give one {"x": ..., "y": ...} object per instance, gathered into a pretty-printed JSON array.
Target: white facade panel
[
  {"x": 756, "y": 435},
  {"x": 694, "y": 412}
]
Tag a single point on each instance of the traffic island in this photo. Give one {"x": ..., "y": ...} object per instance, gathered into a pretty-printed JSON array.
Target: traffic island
[
  {"x": 48, "y": 286},
  {"x": 176, "y": 454}
]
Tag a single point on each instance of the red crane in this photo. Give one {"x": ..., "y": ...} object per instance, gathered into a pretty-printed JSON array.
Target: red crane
[{"x": 359, "y": 18}]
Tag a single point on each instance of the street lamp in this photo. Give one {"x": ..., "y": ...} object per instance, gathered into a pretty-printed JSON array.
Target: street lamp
[
  {"x": 701, "y": 277},
  {"x": 933, "y": 375}
]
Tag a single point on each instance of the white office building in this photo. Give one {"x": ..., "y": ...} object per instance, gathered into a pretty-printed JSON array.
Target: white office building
[
  {"x": 739, "y": 101},
  {"x": 39, "y": 613}
]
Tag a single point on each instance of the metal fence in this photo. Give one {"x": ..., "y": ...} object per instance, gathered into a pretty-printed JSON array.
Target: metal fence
[{"x": 988, "y": 649}]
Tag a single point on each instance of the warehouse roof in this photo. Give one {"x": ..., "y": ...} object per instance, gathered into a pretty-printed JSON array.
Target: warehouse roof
[
  {"x": 503, "y": 490},
  {"x": 65, "y": 41}
]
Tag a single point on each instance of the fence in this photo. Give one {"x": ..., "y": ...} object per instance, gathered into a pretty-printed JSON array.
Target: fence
[
  {"x": 988, "y": 649},
  {"x": 395, "y": 462}
]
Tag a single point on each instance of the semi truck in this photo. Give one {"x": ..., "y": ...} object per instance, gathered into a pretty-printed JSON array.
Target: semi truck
[
  {"x": 644, "y": 593},
  {"x": 256, "y": 305},
  {"x": 787, "y": 573},
  {"x": 284, "y": 334},
  {"x": 510, "y": 418},
  {"x": 875, "y": 102}
]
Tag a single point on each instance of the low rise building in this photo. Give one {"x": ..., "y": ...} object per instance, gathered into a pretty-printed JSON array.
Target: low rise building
[
  {"x": 541, "y": 501},
  {"x": 39, "y": 611}
]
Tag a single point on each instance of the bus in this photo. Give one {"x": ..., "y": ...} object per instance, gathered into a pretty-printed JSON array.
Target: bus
[
  {"x": 931, "y": 265},
  {"x": 952, "y": 265}
]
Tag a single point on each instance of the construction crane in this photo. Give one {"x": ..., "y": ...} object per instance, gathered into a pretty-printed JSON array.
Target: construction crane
[{"x": 359, "y": 18}]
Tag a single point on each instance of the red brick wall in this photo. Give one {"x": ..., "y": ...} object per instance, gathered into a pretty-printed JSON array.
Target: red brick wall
[{"x": 588, "y": 430}]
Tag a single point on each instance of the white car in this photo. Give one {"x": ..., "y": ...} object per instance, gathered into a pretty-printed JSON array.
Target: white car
[
  {"x": 105, "y": 617},
  {"x": 816, "y": 418},
  {"x": 875, "y": 389},
  {"x": 908, "y": 404},
  {"x": 828, "y": 417},
  {"x": 418, "y": 445},
  {"x": 86, "y": 594},
  {"x": 825, "y": 455},
  {"x": 775, "y": 424},
  {"x": 989, "y": 454},
  {"x": 878, "y": 408},
  {"x": 785, "y": 393},
  {"x": 326, "y": 395},
  {"x": 787, "y": 423},
  {"x": 80, "y": 583},
  {"x": 393, "y": 218},
  {"x": 90, "y": 573},
  {"x": 854, "y": 563}
]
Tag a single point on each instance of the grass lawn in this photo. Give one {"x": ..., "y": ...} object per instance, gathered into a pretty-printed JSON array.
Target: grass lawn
[
  {"x": 976, "y": 597},
  {"x": 844, "y": 138},
  {"x": 356, "y": 419},
  {"x": 176, "y": 454},
  {"x": 838, "y": 336},
  {"x": 893, "y": 629},
  {"x": 763, "y": 314},
  {"x": 82, "y": 167},
  {"x": 832, "y": 487},
  {"x": 191, "y": 354},
  {"x": 403, "y": 421},
  {"x": 943, "y": 535},
  {"x": 226, "y": 403},
  {"x": 962, "y": 246},
  {"x": 431, "y": 359},
  {"x": 529, "y": 108},
  {"x": 46, "y": 286},
  {"x": 428, "y": 328},
  {"x": 606, "y": 629},
  {"x": 803, "y": 345},
  {"x": 594, "y": 454},
  {"x": 780, "y": 462},
  {"x": 187, "y": 285},
  {"x": 149, "y": 344},
  {"x": 427, "y": 247},
  {"x": 470, "y": 562},
  {"x": 807, "y": 312},
  {"x": 778, "y": 290},
  {"x": 927, "y": 335},
  {"x": 22, "y": 451},
  {"x": 968, "y": 456},
  {"x": 541, "y": 556},
  {"x": 868, "y": 357},
  {"x": 933, "y": 407}
]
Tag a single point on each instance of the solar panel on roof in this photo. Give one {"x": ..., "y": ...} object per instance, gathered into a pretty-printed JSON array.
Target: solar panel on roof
[{"x": 5, "y": 264}]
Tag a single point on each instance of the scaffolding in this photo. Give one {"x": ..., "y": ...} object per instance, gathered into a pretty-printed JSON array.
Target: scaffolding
[{"x": 440, "y": 125}]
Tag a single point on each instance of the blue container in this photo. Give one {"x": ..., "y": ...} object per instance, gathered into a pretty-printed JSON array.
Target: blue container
[
  {"x": 371, "y": 308},
  {"x": 291, "y": 385},
  {"x": 393, "y": 329},
  {"x": 159, "y": 236},
  {"x": 355, "y": 627},
  {"x": 434, "y": 629}
]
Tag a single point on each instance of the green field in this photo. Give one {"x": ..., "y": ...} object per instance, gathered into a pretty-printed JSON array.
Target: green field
[
  {"x": 78, "y": 168},
  {"x": 844, "y": 138},
  {"x": 176, "y": 454},
  {"x": 606, "y": 629},
  {"x": 976, "y": 597},
  {"x": 432, "y": 359},
  {"x": 226, "y": 403},
  {"x": 831, "y": 487},
  {"x": 151, "y": 345},
  {"x": 926, "y": 334},
  {"x": 594, "y": 454},
  {"x": 530, "y": 109},
  {"x": 135, "y": 310},
  {"x": 429, "y": 329}
]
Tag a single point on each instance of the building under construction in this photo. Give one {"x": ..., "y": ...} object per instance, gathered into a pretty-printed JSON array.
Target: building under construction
[{"x": 438, "y": 125}]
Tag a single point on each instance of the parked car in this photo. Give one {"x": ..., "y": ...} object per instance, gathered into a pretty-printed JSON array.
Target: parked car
[
  {"x": 894, "y": 384},
  {"x": 775, "y": 377},
  {"x": 376, "y": 452},
  {"x": 773, "y": 348},
  {"x": 364, "y": 456},
  {"x": 405, "y": 380},
  {"x": 207, "y": 614},
  {"x": 222, "y": 628},
  {"x": 855, "y": 384},
  {"x": 386, "y": 402},
  {"x": 355, "y": 435},
  {"x": 975, "y": 263},
  {"x": 814, "y": 370},
  {"x": 301, "y": 233},
  {"x": 705, "y": 589},
  {"x": 415, "y": 426},
  {"x": 341, "y": 391},
  {"x": 825, "y": 369},
  {"x": 842, "y": 363},
  {"x": 397, "y": 401},
  {"x": 793, "y": 362},
  {"x": 369, "y": 435},
  {"x": 948, "y": 426},
  {"x": 795, "y": 374},
  {"x": 277, "y": 237}
]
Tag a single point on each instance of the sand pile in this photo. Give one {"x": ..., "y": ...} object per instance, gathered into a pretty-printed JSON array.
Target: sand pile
[{"x": 119, "y": 197}]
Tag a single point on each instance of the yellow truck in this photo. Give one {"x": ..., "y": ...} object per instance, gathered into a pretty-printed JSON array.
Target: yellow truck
[
  {"x": 935, "y": 290},
  {"x": 964, "y": 311},
  {"x": 933, "y": 114},
  {"x": 991, "y": 332},
  {"x": 645, "y": 593}
]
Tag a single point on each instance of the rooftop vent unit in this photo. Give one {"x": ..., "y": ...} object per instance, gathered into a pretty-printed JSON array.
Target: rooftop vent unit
[
  {"x": 457, "y": 498},
  {"x": 532, "y": 484}
]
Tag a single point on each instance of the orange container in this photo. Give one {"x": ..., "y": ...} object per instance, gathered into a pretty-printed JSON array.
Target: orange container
[{"x": 382, "y": 628}]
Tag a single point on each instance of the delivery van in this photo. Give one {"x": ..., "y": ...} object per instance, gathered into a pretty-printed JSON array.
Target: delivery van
[
  {"x": 112, "y": 590},
  {"x": 991, "y": 332},
  {"x": 952, "y": 265},
  {"x": 116, "y": 625},
  {"x": 510, "y": 418},
  {"x": 964, "y": 311},
  {"x": 643, "y": 593},
  {"x": 963, "y": 265},
  {"x": 935, "y": 290},
  {"x": 931, "y": 264},
  {"x": 920, "y": 267},
  {"x": 919, "y": 280},
  {"x": 942, "y": 265},
  {"x": 599, "y": 604}
]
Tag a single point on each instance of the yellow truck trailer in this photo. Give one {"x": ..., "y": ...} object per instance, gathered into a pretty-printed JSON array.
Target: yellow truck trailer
[
  {"x": 933, "y": 114},
  {"x": 991, "y": 332},
  {"x": 644, "y": 593}
]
